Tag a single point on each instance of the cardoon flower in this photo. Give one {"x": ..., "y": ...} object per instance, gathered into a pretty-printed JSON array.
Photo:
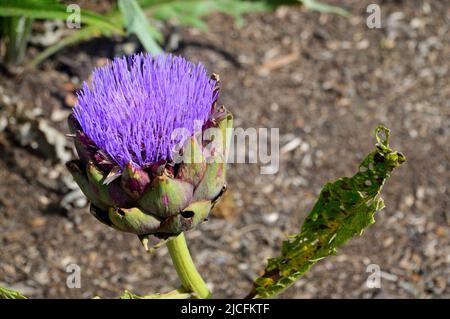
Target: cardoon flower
[{"x": 151, "y": 142}]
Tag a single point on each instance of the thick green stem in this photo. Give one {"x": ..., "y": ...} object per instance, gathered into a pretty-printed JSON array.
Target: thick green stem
[{"x": 188, "y": 274}]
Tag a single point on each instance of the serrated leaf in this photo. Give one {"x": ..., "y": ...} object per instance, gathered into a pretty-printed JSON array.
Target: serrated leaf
[
  {"x": 136, "y": 22},
  {"x": 52, "y": 9},
  {"x": 10, "y": 294},
  {"x": 343, "y": 210}
]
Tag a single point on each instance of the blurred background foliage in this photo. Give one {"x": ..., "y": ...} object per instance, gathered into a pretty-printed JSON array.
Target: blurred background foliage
[{"x": 137, "y": 17}]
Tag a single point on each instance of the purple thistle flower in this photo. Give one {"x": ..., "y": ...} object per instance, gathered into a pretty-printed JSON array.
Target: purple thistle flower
[
  {"x": 129, "y": 127},
  {"x": 136, "y": 103}
]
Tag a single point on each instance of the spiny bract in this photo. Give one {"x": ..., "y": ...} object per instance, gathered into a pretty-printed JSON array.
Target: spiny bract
[{"x": 152, "y": 144}]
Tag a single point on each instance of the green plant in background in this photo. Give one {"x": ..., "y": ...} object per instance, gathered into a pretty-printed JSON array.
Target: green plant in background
[
  {"x": 15, "y": 31},
  {"x": 127, "y": 17},
  {"x": 16, "y": 17}
]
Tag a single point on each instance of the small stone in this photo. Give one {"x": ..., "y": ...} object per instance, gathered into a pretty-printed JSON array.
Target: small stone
[
  {"x": 38, "y": 222},
  {"x": 42, "y": 277},
  {"x": 271, "y": 218},
  {"x": 409, "y": 200},
  {"x": 388, "y": 241}
]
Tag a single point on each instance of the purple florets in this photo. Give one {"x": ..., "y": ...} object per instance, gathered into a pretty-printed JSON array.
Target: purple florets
[{"x": 136, "y": 103}]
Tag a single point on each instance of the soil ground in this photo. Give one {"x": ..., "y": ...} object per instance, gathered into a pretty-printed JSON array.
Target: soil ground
[{"x": 325, "y": 82}]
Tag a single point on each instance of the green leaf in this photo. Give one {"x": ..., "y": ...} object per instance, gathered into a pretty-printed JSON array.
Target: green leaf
[
  {"x": 315, "y": 5},
  {"x": 52, "y": 9},
  {"x": 10, "y": 294},
  {"x": 175, "y": 294},
  {"x": 136, "y": 22},
  {"x": 190, "y": 12},
  {"x": 344, "y": 209}
]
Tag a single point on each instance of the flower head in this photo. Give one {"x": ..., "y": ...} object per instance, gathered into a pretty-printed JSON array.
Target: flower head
[
  {"x": 137, "y": 102},
  {"x": 143, "y": 160}
]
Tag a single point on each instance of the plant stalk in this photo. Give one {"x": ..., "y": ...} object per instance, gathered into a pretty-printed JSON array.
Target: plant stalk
[
  {"x": 188, "y": 274},
  {"x": 16, "y": 31}
]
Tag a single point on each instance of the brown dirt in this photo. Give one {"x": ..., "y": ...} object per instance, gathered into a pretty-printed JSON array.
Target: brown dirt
[{"x": 324, "y": 79}]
